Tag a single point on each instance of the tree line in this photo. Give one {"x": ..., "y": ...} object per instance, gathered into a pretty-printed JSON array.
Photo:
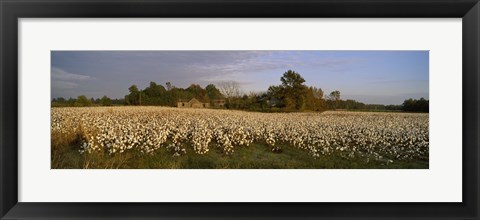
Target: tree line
[
  {"x": 290, "y": 96},
  {"x": 83, "y": 101},
  {"x": 156, "y": 94}
]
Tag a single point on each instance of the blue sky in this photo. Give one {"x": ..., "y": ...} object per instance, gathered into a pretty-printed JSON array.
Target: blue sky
[{"x": 375, "y": 77}]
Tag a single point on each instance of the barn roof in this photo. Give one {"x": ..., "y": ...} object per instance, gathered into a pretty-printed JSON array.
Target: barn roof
[{"x": 194, "y": 100}]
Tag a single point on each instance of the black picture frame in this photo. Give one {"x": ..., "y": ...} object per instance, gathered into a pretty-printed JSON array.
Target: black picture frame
[{"x": 12, "y": 10}]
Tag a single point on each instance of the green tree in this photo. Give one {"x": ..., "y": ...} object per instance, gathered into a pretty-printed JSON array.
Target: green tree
[
  {"x": 197, "y": 92},
  {"x": 59, "y": 102},
  {"x": 71, "y": 102},
  {"x": 105, "y": 101},
  {"x": 294, "y": 90},
  {"x": 213, "y": 93},
  {"x": 413, "y": 105},
  {"x": 134, "y": 97},
  {"x": 83, "y": 101},
  {"x": 276, "y": 96},
  {"x": 154, "y": 94},
  {"x": 291, "y": 79}
]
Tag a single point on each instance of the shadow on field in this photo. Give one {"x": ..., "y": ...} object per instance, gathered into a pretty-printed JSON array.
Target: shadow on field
[{"x": 65, "y": 155}]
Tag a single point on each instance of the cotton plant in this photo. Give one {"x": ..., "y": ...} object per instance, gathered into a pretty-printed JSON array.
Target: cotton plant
[{"x": 115, "y": 130}]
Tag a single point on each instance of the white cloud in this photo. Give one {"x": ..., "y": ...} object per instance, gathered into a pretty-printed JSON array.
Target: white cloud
[
  {"x": 64, "y": 80},
  {"x": 59, "y": 74},
  {"x": 63, "y": 85}
]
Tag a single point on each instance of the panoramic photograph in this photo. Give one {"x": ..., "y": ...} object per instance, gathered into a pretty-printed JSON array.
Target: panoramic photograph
[{"x": 240, "y": 109}]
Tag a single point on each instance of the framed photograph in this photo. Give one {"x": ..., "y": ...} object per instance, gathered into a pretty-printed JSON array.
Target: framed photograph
[{"x": 227, "y": 109}]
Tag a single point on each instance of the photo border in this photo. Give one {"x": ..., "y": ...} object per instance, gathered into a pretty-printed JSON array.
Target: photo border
[{"x": 11, "y": 11}]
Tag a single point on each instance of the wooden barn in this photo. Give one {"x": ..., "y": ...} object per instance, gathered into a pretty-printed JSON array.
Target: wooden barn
[{"x": 192, "y": 103}]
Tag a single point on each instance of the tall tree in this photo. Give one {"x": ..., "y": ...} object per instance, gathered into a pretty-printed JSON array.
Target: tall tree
[
  {"x": 294, "y": 90},
  {"x": 335, "y": 98},
  {"x": 231, "y": 91},
  {"x": 213, "y": 93},
  {"x": 134, "y": 97},
  {"x": 314, "y": 99},
  {"x": 154, "y": 94},
  {"x": 291, "y": 79}
]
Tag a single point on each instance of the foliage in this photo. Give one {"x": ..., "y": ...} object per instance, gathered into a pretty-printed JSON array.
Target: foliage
[
  {"x": 213, "y": 93},
  {"x": 105, "y": 101},
  {"x": 413, "y": 105},
  {"x": 292, "y": 93},
  {"x": 82, "y": 101},
  {"x": 156, "y": 94}
]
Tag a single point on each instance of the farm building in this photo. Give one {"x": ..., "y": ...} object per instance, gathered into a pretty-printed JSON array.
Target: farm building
[
  {"x": 192, "y": 103},
  {"x": 218, "y": 103}
]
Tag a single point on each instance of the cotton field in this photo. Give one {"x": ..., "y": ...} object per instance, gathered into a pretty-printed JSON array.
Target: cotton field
[{"x": 385, "y": 137}]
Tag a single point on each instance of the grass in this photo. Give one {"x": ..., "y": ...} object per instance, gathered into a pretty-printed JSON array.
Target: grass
[{"x": 65, "y": 155}]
